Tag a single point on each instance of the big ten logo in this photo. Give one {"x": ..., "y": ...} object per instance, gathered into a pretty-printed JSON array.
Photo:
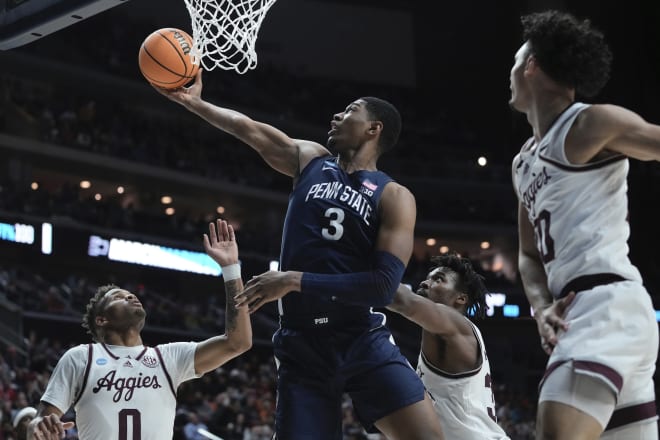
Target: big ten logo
[{"x": 367, "y": 191}]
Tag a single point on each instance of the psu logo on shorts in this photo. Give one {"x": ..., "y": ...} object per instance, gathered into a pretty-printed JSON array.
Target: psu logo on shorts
[
  {"x": 150, "y": 361},
  {"x": 319, "y": 321}
]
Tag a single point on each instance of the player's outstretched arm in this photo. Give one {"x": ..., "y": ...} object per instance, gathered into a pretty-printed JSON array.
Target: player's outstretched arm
[
  {"x": 286, "y": 155},
  {"x": 374, "y": 288},
  {"x": 432, "y": 317},
  {"x": 614, "y": 129},
  {"x": 220, "y": 244},
  {"x": 47, "y": 424}
]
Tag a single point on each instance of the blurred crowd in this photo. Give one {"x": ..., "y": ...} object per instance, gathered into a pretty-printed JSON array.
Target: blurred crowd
[{"x": 235, "y": 402}]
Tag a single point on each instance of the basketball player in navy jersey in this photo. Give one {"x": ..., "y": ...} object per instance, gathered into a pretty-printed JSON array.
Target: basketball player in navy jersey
[
  {"x": 594, "y": 316},
  {"x": 452, "y": 362},
  {"x": 121, "y": 389},
  {"x": 348, "y": 236}
]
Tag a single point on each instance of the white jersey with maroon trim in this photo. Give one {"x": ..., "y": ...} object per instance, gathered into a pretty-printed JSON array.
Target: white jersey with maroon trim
[
  {"x": 121, "y": 393},
  {"x": 464, "y": 402},
  {"x": 579, "y": 212}
]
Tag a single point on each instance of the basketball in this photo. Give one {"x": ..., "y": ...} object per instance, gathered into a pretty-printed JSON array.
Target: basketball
[{"x": 166, "y": 60}]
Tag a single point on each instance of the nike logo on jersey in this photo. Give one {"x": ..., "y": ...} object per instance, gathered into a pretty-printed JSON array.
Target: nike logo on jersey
[{"x": 328, "y": 167}]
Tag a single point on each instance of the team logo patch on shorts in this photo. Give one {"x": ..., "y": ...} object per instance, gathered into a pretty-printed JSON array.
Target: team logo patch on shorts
[
  {"x": 149, "y": 361},
  {"x": 101, "y": 361}
]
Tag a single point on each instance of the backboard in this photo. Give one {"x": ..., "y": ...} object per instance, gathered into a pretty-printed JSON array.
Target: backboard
[{"x": 23, "y": 21}]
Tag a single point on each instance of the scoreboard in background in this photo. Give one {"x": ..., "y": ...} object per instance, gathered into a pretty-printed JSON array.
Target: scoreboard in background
[
  {"x": 26, "y": 234},
  {"x": 75, "y": 243},
  {"x": 148, "y": 254}
]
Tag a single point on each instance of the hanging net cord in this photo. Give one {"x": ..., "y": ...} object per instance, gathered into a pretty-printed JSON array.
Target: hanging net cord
[{"x": 225, "y": 32}]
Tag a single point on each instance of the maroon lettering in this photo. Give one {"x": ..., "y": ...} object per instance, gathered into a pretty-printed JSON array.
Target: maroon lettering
[
  {"x": 491, "y": 410},
  {"x": 134, "y": 414},
  {"x": 528, "y": 198},
  {"x": 124, "y": 387}
]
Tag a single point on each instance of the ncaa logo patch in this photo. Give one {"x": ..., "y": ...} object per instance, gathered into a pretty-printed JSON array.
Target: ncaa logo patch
[
  {"x": 149, "y": 361},
  {"x": 101, "y": 361}
]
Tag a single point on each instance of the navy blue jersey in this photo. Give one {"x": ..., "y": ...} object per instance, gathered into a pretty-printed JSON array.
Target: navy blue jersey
[{"x": 331, "y": 226}]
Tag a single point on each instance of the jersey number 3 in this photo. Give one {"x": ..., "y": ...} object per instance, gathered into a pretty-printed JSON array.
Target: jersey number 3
[
  {"x": 544, "y": 242},
  {"x": 335, "y": 230}
]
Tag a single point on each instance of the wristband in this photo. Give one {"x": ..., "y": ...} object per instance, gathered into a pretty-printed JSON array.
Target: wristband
[{"x": 231, "y": 272}]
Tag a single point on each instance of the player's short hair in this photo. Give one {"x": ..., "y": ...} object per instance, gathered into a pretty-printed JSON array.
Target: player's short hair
[
  {"x": 94, "y": 308},
  {"x": 469, "y": 282},
  {"x": 570, "y": 51},
  {"x": 383, "y": 111}
]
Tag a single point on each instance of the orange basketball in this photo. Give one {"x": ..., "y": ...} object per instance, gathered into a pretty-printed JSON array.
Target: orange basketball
[{"x": 166, "y": 60}]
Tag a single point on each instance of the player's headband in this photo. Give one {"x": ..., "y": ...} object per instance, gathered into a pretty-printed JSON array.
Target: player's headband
[{"x": 111, "y": 291}]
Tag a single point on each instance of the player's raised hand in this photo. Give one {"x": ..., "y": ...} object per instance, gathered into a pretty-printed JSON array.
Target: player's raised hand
[
  {"x": 267, "y": 287},
  {"x": 48, "y": 427},
  {"x": 550, "y": 320},
  {"x": 220, "y": 243}
]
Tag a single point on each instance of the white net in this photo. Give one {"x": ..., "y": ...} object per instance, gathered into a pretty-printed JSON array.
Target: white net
[{"x": 225, "y": 32}]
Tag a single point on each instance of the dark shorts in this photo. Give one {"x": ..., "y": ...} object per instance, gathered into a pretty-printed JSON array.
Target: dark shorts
[{"x": 315, "y": 368}]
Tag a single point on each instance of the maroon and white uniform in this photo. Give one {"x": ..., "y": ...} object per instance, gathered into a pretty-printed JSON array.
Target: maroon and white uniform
[
  {"x": 464, "y": 402},
  {"x": 579, "y": 214},
  {"x": 122, "y": 393}
]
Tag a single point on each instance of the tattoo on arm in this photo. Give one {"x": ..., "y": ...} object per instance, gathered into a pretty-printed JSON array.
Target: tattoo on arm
[{"x": 232, "y": 288}]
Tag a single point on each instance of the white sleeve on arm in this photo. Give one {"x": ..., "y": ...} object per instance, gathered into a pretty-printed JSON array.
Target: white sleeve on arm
[
  {"x": 66, "y": 380},
  {"x": 179, "y": 359}
]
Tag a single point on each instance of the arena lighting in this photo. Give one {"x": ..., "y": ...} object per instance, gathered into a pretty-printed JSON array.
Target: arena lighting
[
  {"x": 430, "y": 241},
  {"x": 84, "y": 184},
  {"x": 166, "y": 200},
  {"x": 147, "y": 254},
  {"x": 274, "y": 265},
  {"x": 34, "y": 186},
  {"x": 444, "y": 249},
  {"x": 120, "y": 190},
  {"x": 482, "y": 161}
]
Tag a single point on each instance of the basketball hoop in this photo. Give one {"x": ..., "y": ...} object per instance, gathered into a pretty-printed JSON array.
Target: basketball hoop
[{"x": 225, "y": 32}]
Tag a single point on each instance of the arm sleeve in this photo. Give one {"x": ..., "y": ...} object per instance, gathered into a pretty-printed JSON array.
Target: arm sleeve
[{"x": 374, "y": 288}]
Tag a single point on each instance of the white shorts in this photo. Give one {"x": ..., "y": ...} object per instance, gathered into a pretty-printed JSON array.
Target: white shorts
[{"x": 612, "y": 337}]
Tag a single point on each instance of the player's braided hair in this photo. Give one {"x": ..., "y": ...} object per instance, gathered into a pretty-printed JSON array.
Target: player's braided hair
[
  {"x": 383, "y": 111},
  {"x": 469, "y": 281},
  {"x": 94, "y": 307},
  {"x": 570, "y": 51}
]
